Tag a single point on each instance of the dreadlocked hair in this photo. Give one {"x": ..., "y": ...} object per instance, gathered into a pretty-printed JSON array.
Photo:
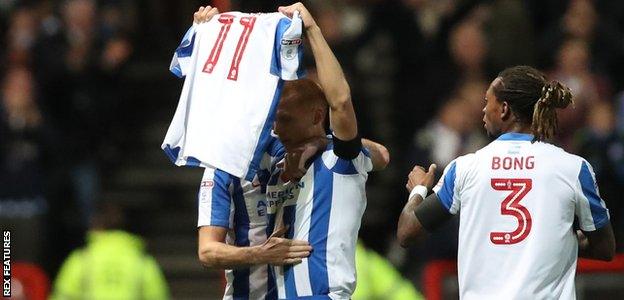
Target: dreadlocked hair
[{"x": 533, "y": 99}]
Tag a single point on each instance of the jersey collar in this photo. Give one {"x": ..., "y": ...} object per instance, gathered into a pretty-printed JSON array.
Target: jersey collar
[{"x": 514, "y": 136}]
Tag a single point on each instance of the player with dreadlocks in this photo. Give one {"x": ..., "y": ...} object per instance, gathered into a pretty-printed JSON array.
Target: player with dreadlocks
[{"x": 518, "y": 198}]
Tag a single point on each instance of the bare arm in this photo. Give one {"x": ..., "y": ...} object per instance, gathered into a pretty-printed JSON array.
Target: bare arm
[
  {"x": 213, "y": 252},
  {"x": 379, "y": 154},
  {"x": 410, "y": 228},
  {"x": 330, "y": 75},
  {"x": 598, "y": 244}
]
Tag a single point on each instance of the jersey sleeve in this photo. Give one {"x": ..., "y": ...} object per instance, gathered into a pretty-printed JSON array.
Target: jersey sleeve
[
  {"x": 215, "y": 200},
  {"x": 590, "y": 209},
  {"x": 181, "y": 61},
  {"x": 275, "y": 152},
  {"x": 288, "y": 49},
  {"x": 446, "y": 187},
  {"x": 362, "y": 164}
]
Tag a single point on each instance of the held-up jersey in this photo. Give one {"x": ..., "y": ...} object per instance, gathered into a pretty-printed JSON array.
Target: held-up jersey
[
  {"x": 234, "y": 66},
  {"x": 324, "y": 208},
  {"x": 517, "y": 202},
  {"x": 241, "y": 207}
]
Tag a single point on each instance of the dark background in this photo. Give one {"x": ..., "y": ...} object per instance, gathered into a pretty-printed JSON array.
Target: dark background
[{"x": 87, "y": 98}]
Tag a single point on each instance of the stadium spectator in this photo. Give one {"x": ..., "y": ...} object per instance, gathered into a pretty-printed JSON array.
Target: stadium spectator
[
  {"x": 454, "y": 131},
  {"x": 113, "y": 264},
  {"x": 23, "y": 31},
  {"x": 77, "y": 68},
  {"x": 23, "y": 143},
  {"x": 602, "y": 144},
  {"x": 582, "y": 21},
  {"x": 573, "y": 69}
]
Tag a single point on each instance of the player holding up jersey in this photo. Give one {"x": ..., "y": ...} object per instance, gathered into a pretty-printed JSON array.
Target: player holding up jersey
[
  {"x": 325, "y": 205},
  {"x": 518, "y": 199},
  {"x": 232, "y": 224}
]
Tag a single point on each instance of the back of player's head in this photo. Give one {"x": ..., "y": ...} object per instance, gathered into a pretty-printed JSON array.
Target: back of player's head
[
  {"x": 304, "y": 94},
  {"x": 533, "y": 99}
]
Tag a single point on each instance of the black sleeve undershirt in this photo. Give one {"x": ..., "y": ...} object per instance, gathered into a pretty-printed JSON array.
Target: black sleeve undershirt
[
  {"x": 347, "y": 149},
  {"x": 431, "y": 213}
]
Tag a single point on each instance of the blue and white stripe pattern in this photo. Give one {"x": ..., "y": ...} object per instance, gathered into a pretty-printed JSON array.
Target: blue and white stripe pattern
[
  {"x": 591, "y": 209},
  {"x": 180, "y": 63},
  {"x": 240, "y": 205},
  {"x": 325, "y": 208},
  {"x": 288, "y": 49}
]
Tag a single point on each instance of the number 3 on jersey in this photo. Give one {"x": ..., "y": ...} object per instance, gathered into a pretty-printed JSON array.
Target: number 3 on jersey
[
  {"x": 226, "y": 21},
  {"x": 511, "y": 207}
]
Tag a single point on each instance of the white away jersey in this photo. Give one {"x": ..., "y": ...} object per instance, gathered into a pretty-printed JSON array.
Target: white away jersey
[
  {"x": 517, "y": 202},
  {"x": 324, "y": 208},
  {"x": 240, "y": 206},
  {"x": 233, "y": 67}
]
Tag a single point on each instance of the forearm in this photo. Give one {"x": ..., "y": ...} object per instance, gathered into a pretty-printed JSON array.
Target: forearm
[
  {"x": 335, "y": 86},
  {"x": 379, "y": 154},
  {"x": 409, "y": 227},
  {"x": 586, "y": 251},
  {"x": 598, "y": 244},
  {"x": 330, "y": 73},
  {"x": 219, "y": 255}
]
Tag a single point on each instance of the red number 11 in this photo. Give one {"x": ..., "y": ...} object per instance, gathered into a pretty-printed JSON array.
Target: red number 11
[{"x": 226, "y": 22}]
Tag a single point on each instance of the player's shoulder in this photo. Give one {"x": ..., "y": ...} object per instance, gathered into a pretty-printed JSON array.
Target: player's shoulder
[
  {"x": 465, "y": 160},
  {"x": 361, "y": 164},
  {"x": 560, "y": 157}
]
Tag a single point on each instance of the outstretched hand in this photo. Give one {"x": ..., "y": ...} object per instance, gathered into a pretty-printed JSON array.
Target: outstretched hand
[
  {"x": 418, "y": 176},
  {"x": 281, "y": 251},
  {"x": 204, "y": 14},
  {"x": 306, "y": 17}
]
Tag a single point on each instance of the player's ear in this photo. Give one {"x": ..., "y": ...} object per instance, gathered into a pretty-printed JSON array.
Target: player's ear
[
  {"x": 505, "y": 111},
  {"x": 318, "y": 116}
]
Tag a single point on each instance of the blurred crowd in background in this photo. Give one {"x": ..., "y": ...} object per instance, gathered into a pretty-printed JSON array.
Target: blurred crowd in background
[{"x": 77, "y": 79}]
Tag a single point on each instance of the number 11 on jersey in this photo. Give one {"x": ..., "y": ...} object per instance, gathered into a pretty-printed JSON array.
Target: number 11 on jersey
[
  {"x": 226, "y": 22},
  {"x": 511, "y": 207}
]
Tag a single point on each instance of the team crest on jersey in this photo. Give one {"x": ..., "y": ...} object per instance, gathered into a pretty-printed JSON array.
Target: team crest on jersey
[{"x": 289, "y": 48}]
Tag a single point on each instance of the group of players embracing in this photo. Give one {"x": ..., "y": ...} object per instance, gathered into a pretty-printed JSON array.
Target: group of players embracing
[{"x": 291, "y": 231}]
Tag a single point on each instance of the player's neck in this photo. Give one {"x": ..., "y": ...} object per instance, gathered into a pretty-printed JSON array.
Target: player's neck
[{"x": 518, "y": 127}]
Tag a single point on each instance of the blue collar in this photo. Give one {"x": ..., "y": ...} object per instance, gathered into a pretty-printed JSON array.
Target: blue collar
[{"x": 514, "y": 136}]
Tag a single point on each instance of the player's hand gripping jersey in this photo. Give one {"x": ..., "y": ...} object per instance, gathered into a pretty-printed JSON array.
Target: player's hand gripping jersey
[
  {"x": 518, "y": 201},
  {"x": 233, "y": 65}
]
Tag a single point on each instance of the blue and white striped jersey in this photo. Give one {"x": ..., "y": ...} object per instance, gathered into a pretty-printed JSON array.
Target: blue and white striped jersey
[
  {"x": 234, "y": 67},
  {"x": 324, "y": 208},
  {"x": 240, "y": 206},
  {"x": 517, "y": 202}
]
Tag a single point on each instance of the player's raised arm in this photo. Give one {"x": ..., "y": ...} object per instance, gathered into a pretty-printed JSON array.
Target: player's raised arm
[{"x": 330, "y": 75}]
